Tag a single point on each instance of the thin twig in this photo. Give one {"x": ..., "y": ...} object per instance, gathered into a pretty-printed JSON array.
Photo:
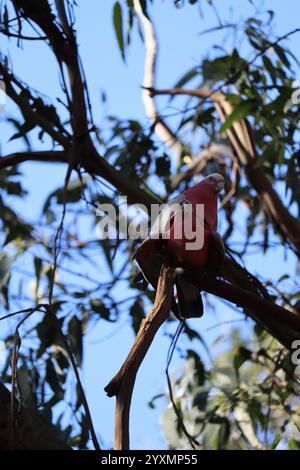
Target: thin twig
[
  {"x": 194, "y": 443},
  {"x": 15, "y": 389},
  {"x": 78, "y": 380}
]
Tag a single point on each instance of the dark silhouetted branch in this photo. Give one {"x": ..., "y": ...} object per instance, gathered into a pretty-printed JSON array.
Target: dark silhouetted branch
[{"x": 45, "y": 157}]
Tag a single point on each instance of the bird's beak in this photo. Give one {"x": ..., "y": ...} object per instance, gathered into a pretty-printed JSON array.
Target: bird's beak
[
  {"x": 217, "y": 180},
  {"x": 220, "y": 185}
]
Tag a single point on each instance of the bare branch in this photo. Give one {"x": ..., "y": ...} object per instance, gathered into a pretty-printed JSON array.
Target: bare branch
[
  {"x": 93, "y": 164},
  {"x": 162, "y": 130},
  {"x": 122, "y": 384},
  {"x": 197, "y": 163}
]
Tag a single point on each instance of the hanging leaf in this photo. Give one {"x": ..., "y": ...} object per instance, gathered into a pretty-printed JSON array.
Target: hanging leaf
[
  {"x": 98, "y": 307},
  {"x": 137, "y": 314},
  {"x": 118, "y": 25},
  {"x": 75, "y": 336},
  {"x": 52, "y": 378}
]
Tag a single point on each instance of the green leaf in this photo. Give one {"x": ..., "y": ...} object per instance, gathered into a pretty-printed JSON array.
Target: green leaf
[
  {"x": 233, "y": 98},
  {"x": 294, "y": 444},
  {"x": 106, "y": 247},
  {"x": 137, "y": 314},
  {"x": 6, "y": 20},
  {"x": 240, "y": 112},
  {"x": 71, "y": 195},
  {"x": 214, "y": 70},
  {"x": 282, "y": 55},
  {"x": 118, "y": 25},
  {"x": 199, "y": 369},
  {"x": 224, "y": 67},
  {"x": 187, "y": 77},
  {"x": 23, "y": 130},
  {"x": 223, "y": 433},
  {"x": 85, "y": 432},
  {"x": 163, "y": 166},
  {"x": 48, "y": 333},
  {"x": 52, "y": 378},
  {"x": 5, "y": 265},
  {"x": 276, "y": 442},
  {"x": 205, "y": 116},
  {"x": 27, "y": 386},
  {"x": 143, "y": 4},
  {"x": 98, "y": 307},
  {"x": 242, "y": 356},
  {"x": 75, "y": 336},
  {"x": 38, "y": 268}
]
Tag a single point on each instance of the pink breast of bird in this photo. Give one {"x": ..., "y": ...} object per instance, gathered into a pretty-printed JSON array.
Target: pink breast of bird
[
  {"x": 185, "y": 248},
  {"x": 180, "y": 247}
]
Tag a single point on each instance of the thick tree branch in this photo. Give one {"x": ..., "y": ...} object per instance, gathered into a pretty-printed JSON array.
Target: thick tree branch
[
  {"x": 122, "y": 384},
  {"x": 82, "y": 151},
  {"x": 94, "y": 164},
  {"x": 281, "y": 323}
]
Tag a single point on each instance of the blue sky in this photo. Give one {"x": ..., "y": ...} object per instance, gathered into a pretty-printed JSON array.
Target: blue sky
[{"x": 181, "y": 47}]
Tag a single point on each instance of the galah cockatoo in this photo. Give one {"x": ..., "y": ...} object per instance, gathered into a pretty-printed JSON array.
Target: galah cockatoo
[{"x": 174, "y": 233}]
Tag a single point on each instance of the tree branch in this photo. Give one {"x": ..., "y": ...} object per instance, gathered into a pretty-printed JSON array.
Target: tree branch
[
  {"x": 240, "y": 136},
  {"x": 93, "y": 164},
  {"x": 162, "y": 130},
  {"x": 44, "y": 156},
  {"x": 216, "y": 152},
  {"x": 66, "y": 51},
  {"x": 239, "y": 279},
  {"x": 39, "y": 117},
  {"x": 122, "y": 384},
  {"x": 281, "y": 323},
  {"x": 97, "y": 165}
]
